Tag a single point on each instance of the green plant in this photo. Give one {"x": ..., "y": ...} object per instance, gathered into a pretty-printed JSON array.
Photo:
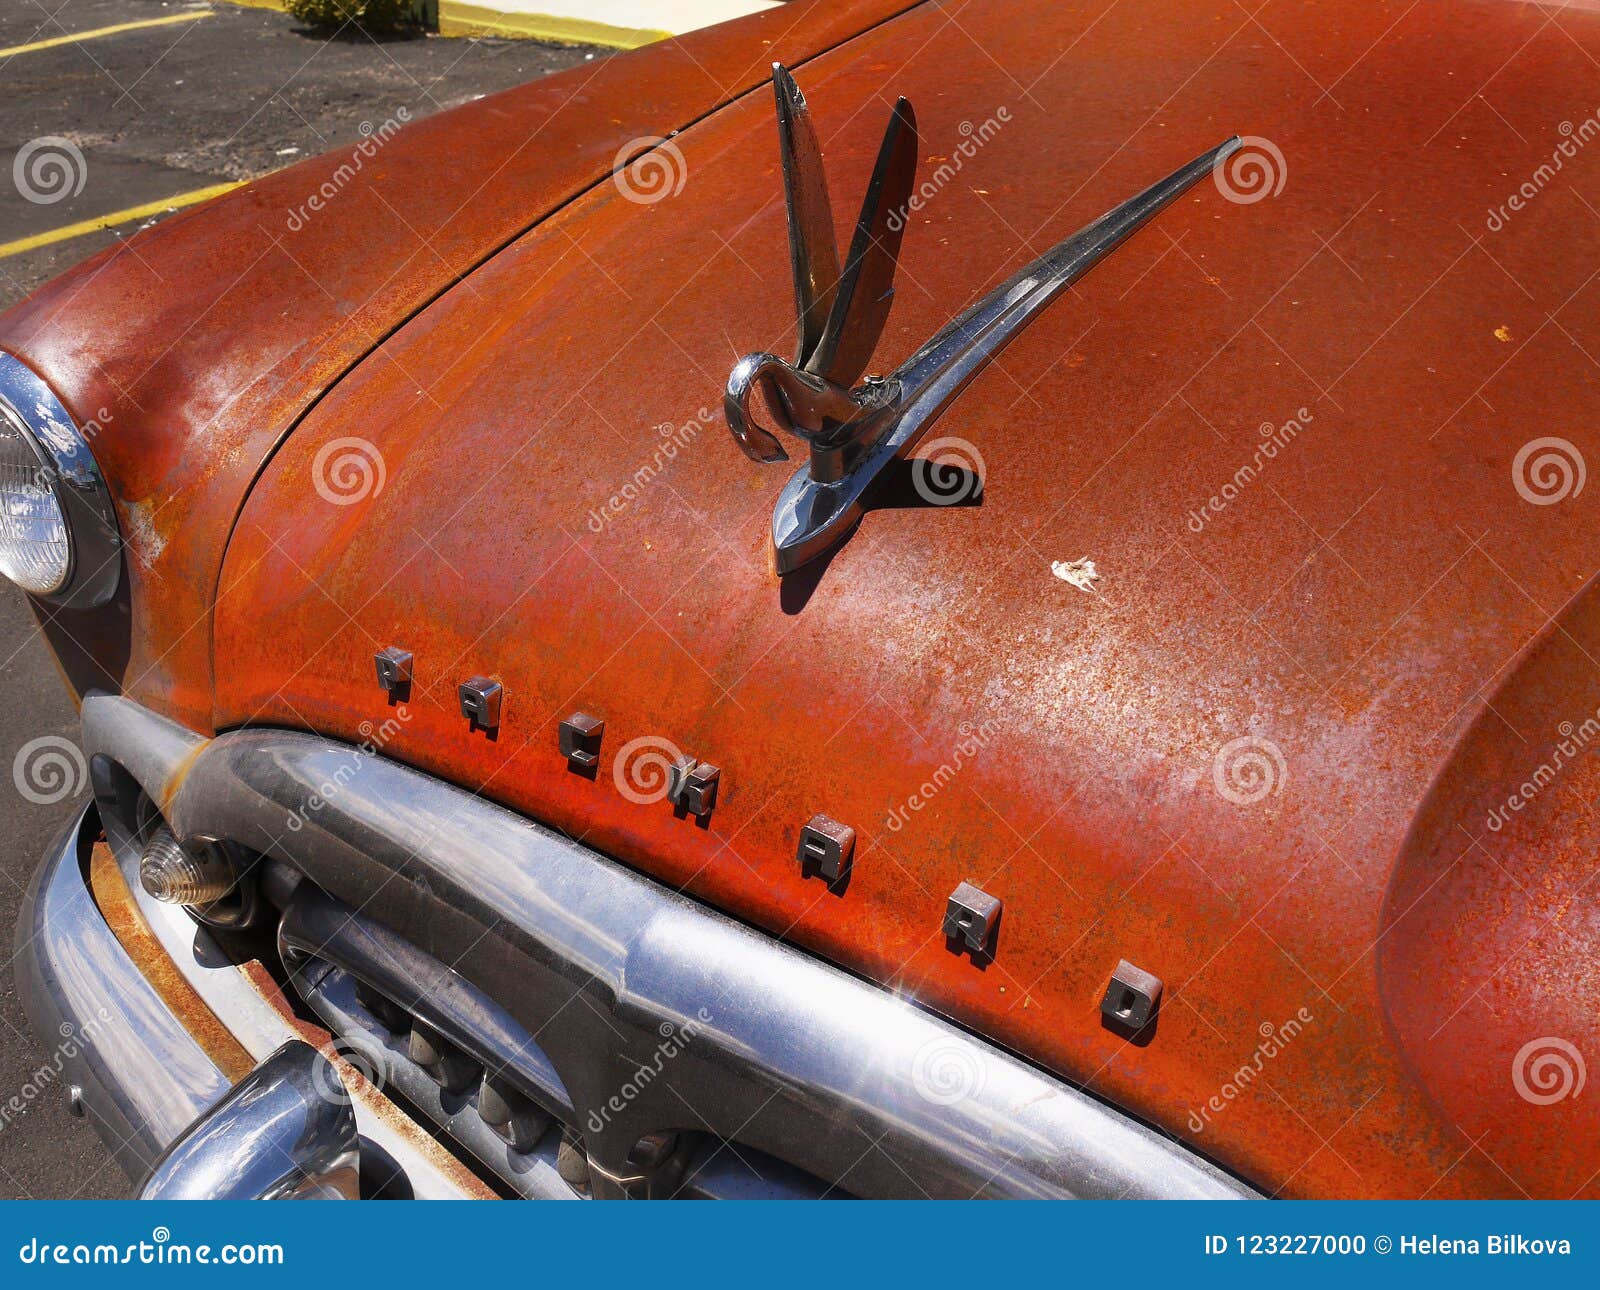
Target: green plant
[{"x": 374, "y": 15}]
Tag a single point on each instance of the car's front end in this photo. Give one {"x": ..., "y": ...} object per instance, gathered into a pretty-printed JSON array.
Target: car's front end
[
  {"x": 564, "y": 1026},
  {"x": 462, "y": 762}
]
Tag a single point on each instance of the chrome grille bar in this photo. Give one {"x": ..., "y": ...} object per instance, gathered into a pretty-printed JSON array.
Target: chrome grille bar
[{"x": 600, "y": 966}]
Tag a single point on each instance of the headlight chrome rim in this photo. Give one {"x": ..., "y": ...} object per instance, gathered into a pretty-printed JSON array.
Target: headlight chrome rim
[{"x": 94, "y": 563}]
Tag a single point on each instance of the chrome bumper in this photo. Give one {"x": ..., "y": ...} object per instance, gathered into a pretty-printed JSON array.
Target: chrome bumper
[
  {"x": 771, "y": 1050},
  {"x": 165, "y": 1109},
  {"x": 284, "y": 1132},
  {"x": 130, "y": 1065}
]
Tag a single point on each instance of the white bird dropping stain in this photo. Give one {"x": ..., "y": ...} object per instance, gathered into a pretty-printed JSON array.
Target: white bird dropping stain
[{"x": 1079, "y": 573}]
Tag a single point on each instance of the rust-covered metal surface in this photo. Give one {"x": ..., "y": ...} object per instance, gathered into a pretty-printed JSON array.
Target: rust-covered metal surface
[
  {"x": 1348, "y": 613},
  {"x": 1258, "y": 758},
  {"x": 192, "y": 348}
]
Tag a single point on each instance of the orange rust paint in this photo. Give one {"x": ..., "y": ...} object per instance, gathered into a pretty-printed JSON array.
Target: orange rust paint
[
  {"x": 1376, "y": 608},
  {"x": 191, "y": 389},
  {"x": 1090, "y": 806},
  {"x": 179, "y": 774}
]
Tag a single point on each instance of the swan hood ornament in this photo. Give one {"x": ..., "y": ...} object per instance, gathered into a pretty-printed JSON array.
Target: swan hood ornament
[{"x": 854, "y": 431}]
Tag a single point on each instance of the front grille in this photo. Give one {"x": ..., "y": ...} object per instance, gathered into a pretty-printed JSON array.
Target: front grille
[
  {"x": 417, "y": 1029},
  {"x": 577, "y": 1029}
]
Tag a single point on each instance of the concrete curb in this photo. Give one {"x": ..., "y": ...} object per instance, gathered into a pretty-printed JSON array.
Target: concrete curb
[
  {"x": 613, "y": 24},
  {"x": 499, "y": 18}
]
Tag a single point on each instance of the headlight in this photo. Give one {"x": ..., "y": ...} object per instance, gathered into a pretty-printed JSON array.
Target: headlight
[
  {"x": 34, "y": 551},
  {"x": 58, "y": 532}
]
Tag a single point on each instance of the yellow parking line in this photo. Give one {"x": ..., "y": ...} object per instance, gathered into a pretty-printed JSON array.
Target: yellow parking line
[
  {"x": 459, "y": 19},
  {"x": 116, "y": 217},
  {"x": 74, "y": 37}
]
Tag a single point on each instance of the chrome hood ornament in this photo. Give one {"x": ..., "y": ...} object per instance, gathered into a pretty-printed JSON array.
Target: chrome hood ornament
[{"x": 856, "y": 430}]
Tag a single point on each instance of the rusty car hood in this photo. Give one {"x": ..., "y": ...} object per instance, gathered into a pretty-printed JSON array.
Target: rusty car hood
[
  {"x": 192, "y": 347},
  {"x": 1219, "y": 760}
]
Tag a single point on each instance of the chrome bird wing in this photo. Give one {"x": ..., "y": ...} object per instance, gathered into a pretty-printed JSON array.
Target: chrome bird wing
[{"x": 855, "y": 433}]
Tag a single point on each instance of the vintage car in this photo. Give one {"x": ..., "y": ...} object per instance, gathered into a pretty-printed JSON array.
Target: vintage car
[{"x": 1138, "y": 747}]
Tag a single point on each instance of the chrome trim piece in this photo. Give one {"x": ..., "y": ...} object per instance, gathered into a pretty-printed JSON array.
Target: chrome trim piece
[
  {"x": 286, "y": 1131},
  {"x": 328, "y": 947},
  {"x": 143, "y": 1076},
  {"x": 140, "y": 1076},
  {"x": 778, "y": 1051},
  {"x": 855, "y": 434},
  {"x": 94, "y": 540},
  {"x": 315, "y": 927},
  {"x": 331, "y": 994}
]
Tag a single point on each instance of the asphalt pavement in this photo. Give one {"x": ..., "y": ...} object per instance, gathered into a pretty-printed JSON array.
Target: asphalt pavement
[{"x": 193, "y": 96}]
